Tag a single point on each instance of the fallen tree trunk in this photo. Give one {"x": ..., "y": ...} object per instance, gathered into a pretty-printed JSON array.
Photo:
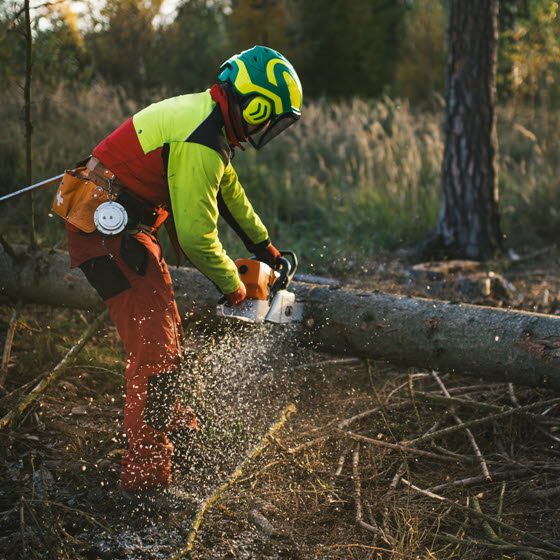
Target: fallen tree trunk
[{"x": 488, "y": 342}]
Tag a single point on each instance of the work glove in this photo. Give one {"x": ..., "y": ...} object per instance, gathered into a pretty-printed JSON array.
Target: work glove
[
  {"x": 238, "y": 296},
  {"x": 268, "y": 255}
]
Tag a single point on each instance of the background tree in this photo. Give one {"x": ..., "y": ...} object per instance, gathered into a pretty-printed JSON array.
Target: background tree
[
  {"x": 349, "y": 48},
  {"x": 124, "y": 45},
  {"x": 532, "y": 53},
  {"x": 262, "y": 22},
  {"x": 190, "y": 49},
  {"x": 420, "y": 69},
  {"x": 469, "y": 224}
]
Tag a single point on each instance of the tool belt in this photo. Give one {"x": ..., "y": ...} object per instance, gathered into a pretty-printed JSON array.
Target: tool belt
[{"x": 85, "y": 188}]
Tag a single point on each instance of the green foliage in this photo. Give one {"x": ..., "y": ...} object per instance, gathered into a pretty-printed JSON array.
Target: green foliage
[
  {"x": 123, "y": 46},
  {"x": 420, "y": 72},
  {"x": 348, "y": 48},
  {"x": 353, "y": 176},
  {"x": 364, "y": 48},
  {"x": 59, "y": 54},
  {"x": 268, "y": 22},
  {"x": 531, "y": 53},
  {"x": 183, "y": 65}
]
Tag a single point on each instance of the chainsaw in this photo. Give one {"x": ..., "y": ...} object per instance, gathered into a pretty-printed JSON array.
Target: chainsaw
[{"x": 267, "y": 297}]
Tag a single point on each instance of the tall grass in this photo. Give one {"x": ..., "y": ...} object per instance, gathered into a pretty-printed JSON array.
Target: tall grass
[
  {"x": 529, "y": 174},
  {"x": 350, "y": 179}
]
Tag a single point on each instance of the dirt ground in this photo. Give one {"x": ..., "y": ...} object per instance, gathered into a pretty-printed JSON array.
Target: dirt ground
[{"x": 334, "y": 481}]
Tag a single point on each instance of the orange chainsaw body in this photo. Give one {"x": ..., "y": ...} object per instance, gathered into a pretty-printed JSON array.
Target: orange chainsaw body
[{"x": 257, "y": 276}]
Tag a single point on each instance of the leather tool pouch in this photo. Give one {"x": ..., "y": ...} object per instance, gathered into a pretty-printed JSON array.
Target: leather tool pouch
[{"x": 78, "y": 197}]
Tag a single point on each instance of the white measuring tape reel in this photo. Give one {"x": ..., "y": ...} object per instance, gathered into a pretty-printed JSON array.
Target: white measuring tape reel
[{"x": 110, "y": 218}]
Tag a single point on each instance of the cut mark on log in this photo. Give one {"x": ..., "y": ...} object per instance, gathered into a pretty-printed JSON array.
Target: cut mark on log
[{"x": 544, "y": 349}]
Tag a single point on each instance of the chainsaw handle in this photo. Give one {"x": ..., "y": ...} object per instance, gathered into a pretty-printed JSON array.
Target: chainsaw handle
[{"x": 287, "y": 268}]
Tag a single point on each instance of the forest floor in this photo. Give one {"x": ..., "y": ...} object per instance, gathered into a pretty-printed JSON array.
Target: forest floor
[{"x": 333, "y": 482}]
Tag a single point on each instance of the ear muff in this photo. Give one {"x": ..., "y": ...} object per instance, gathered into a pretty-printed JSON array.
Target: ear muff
[{"x": 257, "y": 110}]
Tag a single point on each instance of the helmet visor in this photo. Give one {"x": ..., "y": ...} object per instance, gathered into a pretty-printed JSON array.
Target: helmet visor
[{"x": 259, "y": 138}]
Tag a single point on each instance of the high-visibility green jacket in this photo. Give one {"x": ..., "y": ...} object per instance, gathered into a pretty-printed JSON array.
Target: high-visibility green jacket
[{"x": 175, "y": 153}]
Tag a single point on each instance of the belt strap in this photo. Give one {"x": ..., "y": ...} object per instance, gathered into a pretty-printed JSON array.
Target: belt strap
[
  {"x": 143, "y": 215},
  {"x": 103, "y": 173}
]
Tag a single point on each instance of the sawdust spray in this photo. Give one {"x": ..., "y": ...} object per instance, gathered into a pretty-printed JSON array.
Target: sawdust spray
[{"x": 237, "y": 380}]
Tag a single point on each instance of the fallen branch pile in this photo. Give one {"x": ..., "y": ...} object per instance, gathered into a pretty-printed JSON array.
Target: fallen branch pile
[
  {"x": 439, "y": 468},
  {"x": 375, "y": 464}
]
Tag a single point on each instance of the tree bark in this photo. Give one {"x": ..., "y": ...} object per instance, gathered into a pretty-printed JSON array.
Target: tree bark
[
  {"x": 469, "y": 224},
  {"x": 488, "y": 342}
]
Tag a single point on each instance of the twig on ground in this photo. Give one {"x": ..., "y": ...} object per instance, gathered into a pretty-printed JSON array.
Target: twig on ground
[
  {"x": 396, "y": 446},
  {"x": 548, "y": 434},
  {"x": 551, "y": 546},
  {"x": 474, "y": 444},
  {"x": 516, "y": 259},
  {"x": 479, "y": 421},
  {"x": 397, "y": 476},
  {"x": 209, "y": 502},
  {"x": 88, "y": 516},
  {"x": 345, "y": 423},
  {"x": 492, "y": 546},
  {"x": 449, "y": 453},
  {"x": 8, "y": 344},
  {"x": 342, "y": 460},
  {"x": 22, "y": 527},
  {"x": 490, "y": 533},
  {"x": 452, "y": 401},
  {"x": 56, "y": 372},
  {"x": 358, "y": 493},
  {"x": 402, "y": 467},
  {"x": 410, "y": 384},
  {"x": 405, "y": 384},
  {"x": 310, "y": 365},
  {"x": 473, "y": 480},
  {"x": 423, "y": 492},
  {"x": 500, "y": 509},
  {"x": 480, "y": 387},
  {"x": 512, "y": 396}
]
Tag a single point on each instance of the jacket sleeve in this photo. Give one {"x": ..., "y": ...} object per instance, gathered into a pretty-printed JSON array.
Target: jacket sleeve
[
  {"x": 237, "y": 211},
  {"x": 195, "y": 173}
]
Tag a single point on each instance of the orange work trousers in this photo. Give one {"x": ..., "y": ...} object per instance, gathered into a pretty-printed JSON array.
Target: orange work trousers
[{"x": 131, "y": 276}]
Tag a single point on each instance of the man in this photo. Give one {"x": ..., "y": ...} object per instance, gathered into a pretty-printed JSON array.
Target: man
[{"x": 171, "y": 163}]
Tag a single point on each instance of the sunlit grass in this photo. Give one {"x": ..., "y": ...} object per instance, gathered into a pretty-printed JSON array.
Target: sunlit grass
[{"x": 351, "y": 179}]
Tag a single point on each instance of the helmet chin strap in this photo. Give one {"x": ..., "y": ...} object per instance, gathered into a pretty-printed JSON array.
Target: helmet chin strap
[{"x": 232, "y": 116}]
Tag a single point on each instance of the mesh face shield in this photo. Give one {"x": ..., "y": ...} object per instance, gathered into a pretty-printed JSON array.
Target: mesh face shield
[{"x": 260, "y": 138}]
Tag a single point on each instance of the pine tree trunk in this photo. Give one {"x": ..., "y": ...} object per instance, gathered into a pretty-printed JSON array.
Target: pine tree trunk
[
  {"x": 469, "y": 224},
  {"x": 411, "y": 332}
]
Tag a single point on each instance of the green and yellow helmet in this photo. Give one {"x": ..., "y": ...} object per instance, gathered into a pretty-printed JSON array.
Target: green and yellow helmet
[{"x": 268, "y": 90}]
